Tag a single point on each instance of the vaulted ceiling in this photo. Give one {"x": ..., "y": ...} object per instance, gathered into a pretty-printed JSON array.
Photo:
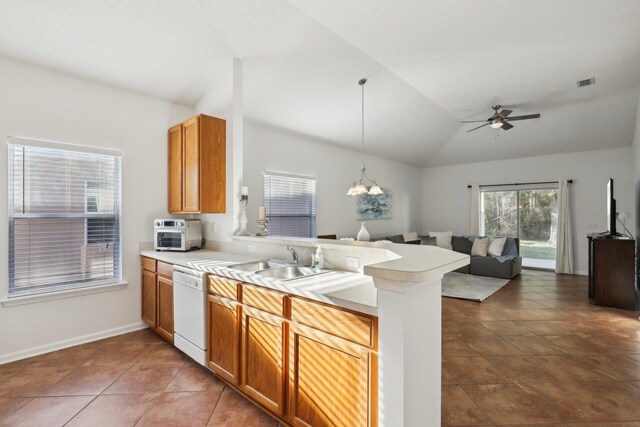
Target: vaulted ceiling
[{"x": 429, "y": 65}]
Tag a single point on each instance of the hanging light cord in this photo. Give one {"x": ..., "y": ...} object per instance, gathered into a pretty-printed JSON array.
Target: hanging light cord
[
  {"x": 362, "y": 82},
  {"x": 364, "y": 169}
]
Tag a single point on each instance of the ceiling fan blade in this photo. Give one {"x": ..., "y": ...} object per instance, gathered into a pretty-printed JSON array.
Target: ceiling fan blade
[
  {"x": 473, "y": 121},
  {"x": 506, "y": 126},
  {"x": 505, "y": 113},
  {"x": 527, "y": 117},
  {"x": 481, "y": 126}
]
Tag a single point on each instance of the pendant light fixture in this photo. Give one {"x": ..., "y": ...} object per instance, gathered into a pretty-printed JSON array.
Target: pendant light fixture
[{"x": 360, "y": 188}]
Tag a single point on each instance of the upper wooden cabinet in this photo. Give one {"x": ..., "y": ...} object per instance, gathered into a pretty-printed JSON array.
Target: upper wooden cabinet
[{"x": 197, "y": 166}]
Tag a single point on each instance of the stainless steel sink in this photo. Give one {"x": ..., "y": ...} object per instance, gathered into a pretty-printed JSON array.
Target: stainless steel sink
[
  {"x": 291, "y": 272},
  {"x": 258, "y": 265}
]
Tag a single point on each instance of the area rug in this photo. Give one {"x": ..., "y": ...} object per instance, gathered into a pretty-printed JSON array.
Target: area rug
[{"x": 467, "y": 286}]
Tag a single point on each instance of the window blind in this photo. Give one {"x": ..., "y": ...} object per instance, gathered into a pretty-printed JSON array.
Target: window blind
[
  {"x": 290, "y": 202},
  {"x": 64, "y": 217}
]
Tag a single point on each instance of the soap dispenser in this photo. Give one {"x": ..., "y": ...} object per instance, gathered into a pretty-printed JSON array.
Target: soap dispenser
[{"x": 319, "y": 258}]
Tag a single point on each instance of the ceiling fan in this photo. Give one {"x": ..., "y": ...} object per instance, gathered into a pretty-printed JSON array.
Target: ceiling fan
[{"x": 501, "y": 119}]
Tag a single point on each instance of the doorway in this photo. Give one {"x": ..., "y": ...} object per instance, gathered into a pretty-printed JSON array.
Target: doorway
[{"x": 530, "y": 214}]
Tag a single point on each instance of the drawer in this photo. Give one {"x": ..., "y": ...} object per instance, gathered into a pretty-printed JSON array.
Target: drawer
[
  {"x": 263, "y": 299},
  {"x": 350, "y": 326},
  {"x": 148, "y": 264},
  {"x": 165, "y": 269},
  {"x": 224, "y": 287}
]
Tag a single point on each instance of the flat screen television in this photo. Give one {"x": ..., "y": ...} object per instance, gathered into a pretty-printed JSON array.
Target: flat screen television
[{"x": 611, "y": 210}]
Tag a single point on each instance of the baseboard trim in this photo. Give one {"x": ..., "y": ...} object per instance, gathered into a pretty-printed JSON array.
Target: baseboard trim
[{"x": 59, "y": 345}]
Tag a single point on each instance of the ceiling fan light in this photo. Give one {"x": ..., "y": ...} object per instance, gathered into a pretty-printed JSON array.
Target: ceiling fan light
[
  {"x": 496, "y": 124},
  {"x": 375, "y": 190},
  {"x": 351, "y": 190}
]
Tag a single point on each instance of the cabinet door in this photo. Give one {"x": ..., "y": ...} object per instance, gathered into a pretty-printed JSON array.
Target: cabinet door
[
  {"x": 175, "y": 169},
  {"x": 149, "y": 298},
  {"x": 165, "y": 308},
  {"x": 191, "y": 165},
  {"x": 224, "y": 338},
  {"x": 263, "y": 350},
  {"x": 329, "y": 380}
]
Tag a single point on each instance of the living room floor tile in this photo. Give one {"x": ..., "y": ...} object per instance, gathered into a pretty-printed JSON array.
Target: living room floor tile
[
  {"x": 470, "y": 370},
  {"x": 47, "y": 411},
  {"x": 506, "y": 328}
]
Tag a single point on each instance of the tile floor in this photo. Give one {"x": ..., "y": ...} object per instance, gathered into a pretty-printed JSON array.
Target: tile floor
[
  {"x": 535, "y": 353},
  {"x": 133, "y": 379},
  {"x": 539, "y": 353}
]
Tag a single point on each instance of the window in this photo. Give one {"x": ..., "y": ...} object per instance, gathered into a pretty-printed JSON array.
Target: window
[
  {"x": 290, "y": 201},
  {"x": 64, "y": 217},
  {"x": 531, "y": 214}
]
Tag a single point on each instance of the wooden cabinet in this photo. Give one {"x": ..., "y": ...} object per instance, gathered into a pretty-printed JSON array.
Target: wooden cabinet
[
  {"x": 223, "y": 346},
  {"x": 308, "y": 363},
  {"x": 332, "y": 382},
  {"x": 612, "y": 272},
  {"x": 165, "y": 308},
  {"x": 157, "y": 297},
  {"x": 149, "y": 298},
  {"x": 197, "y": 166},
  {"x": 263, "y": 359}
]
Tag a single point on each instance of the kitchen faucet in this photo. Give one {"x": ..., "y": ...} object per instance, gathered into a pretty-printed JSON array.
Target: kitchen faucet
[{"x": 294, "y": 254}]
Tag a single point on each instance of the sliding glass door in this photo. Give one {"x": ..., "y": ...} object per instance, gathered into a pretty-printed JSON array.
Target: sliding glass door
[{"x": 531, "y": 214}]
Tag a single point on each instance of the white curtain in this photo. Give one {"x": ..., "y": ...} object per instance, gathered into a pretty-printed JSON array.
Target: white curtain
[
  {"x": 564, "y": 246},
  {"x": 474, "y": 217}
]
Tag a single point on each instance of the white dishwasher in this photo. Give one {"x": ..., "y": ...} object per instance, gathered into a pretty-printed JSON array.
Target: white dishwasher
[{"x": 189, "y": 312}]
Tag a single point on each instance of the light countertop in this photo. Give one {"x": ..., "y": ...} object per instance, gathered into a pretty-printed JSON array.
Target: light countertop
[
  {"x": 348, "y": 290},
  {"x": 385, "y": 260}
]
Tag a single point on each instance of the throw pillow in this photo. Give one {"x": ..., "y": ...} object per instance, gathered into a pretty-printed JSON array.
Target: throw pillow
[
  {"x": 510, "y": 247},
  {"x": 480, "y": 247},
  {"x": 412, "y": 242},
  {"x": 496, "y": 245},
  {"x": 410, "y": 236},
  {"x": 443, "y": 238},
  {"x": 461, "y": 244},
  {"x": 426, "y": 240},
  {"x": 395, "y": 238}
]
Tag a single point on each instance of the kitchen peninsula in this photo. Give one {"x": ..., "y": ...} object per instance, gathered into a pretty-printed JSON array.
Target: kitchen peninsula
[{"x": 385, "y": 326}]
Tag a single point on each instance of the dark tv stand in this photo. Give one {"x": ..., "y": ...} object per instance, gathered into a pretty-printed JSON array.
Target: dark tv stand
[
  {"x": 612, "y": 271},
  {"x": 612, "y": 236}
]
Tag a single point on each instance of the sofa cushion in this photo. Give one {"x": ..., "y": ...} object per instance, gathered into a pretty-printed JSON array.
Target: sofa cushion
[
  {"x": 489, "y": 266},
  {"x": 510, "y": 247},
  {"x": 464, "y": 269},
  {"x": 410, "y": 236},
  {"x": 461, "y": 244},
  {"x": 496, "y": 245},
  {"x": 397, "y": 238},
  {"x": 480, "y": 247},
  {"x": 428, "y": 240},
  {"x": 443, "y": 238}
]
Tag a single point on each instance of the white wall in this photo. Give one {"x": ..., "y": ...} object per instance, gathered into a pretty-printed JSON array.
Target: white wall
[
  {"x": 335, "y": 168},
  {"x": 636, "y": 170},
  {"x": 42, "y": 104},
  {"x": 217, "y": 102},
  {"x": 446, "y": 198}
]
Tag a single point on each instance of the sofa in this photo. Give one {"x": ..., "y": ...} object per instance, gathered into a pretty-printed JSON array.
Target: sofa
[{"x": 506, "y": 266}]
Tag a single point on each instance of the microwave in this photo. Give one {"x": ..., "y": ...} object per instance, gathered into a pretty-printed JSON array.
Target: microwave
[{"x": 177, "y": 234}]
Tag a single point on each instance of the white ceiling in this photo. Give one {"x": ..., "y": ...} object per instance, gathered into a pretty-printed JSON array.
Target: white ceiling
[{"x": 429, "y": 64}]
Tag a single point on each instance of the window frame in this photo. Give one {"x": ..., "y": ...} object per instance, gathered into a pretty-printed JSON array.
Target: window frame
[{"x": 63, "y": 290}]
